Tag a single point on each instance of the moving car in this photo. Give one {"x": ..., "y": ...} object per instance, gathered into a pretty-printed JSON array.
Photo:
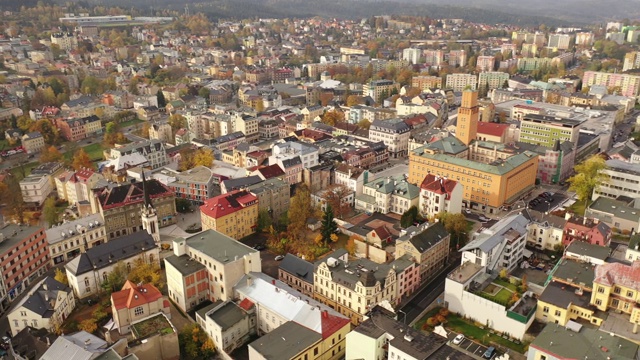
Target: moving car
[
  {"x": 458, "y": 339},
  {"x": 489, "y": 353}
]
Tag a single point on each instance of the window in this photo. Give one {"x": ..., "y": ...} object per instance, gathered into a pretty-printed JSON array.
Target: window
[
  {"x": 600, "y": 289},
  {"x": 557, "y": 313},
  {"x": 545, "y": 309},
  {"x": 138, "y": 311},
  {"x": 598, "y": 302}
]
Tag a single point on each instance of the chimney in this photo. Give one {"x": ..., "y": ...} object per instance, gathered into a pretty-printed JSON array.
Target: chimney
[
  {"x": 273, "y": 282},
  {"x": 325, "y": 314},
  {"x": 584, "y": 220},
  {"x": 567, "y": 215}
]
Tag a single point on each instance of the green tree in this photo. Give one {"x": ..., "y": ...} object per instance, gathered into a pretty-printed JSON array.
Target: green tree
[
  {"x": 116, "y": 278},
  {"x": 264, "y": 220},
  {"x": 457, "y": 226},
  {"x": 409, "y": 217},
  {"x": 329, "y": 226},
  {"x": 61, "y": 276},
  {"x": 204, "y": 93},
  {"x": 588, "y": 177},
  {"x": 183, "y": 205},
  {"x": 162, "y": 102},
  {"x": 50, "y": 212}
]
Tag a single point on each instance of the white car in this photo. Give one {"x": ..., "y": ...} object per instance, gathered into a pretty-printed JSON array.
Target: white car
[
  {"x": 467, "y": 211},
  {"x": 458, "y": 339},
  {"x": 482, "y": 218}
]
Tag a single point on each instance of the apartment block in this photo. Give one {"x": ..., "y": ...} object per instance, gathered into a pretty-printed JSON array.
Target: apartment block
[
  {"x": 623, "y": 84},
  {"x": 459, "y": 82},
  {"x": 426, "y": 82},
  {"x": 234, "y": 214}
]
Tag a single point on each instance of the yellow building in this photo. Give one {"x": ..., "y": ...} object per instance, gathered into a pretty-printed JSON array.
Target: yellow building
[
  {"x": 234, "y": 214},
  {"x": 492, "y": 174},
  {"x": 617, "y": 286}
]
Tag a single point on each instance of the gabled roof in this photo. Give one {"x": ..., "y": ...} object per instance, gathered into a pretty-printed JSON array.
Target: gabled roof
[
  {"x": 438, "y": 185},
  {"x": 42, "y": 298},
  {"x": 127, "y": 194},
  {"x": 426, "y": 239},
  {"x": 271, "y": 171},
  {"x": 492, "y": 129},
  {"x": 297, "y": 267},
  {"x": 619, "y": 274},
  {"x": 133, "y": 295},
  {"x": 225, "y": 204}
]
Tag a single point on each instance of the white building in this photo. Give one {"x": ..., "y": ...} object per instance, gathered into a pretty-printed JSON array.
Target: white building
[
  {"x": 46, "y": 306},
  {"x": 624, "y": 179},
  {"x": 411, "y": 55},
  {"x": 394, "y": 133},
  {"x": 500, "y": 246},
  {"x": 459, "y": 82},
  {"x": 544, "y": 231},
  {"x": 439, "y": 195},
  {"x": 352, "y": 177},
  {"x": 75, "y": 186},
  {"x": 153, "y": 150},
  {"x": 69, "y": 239},
  {"x": 559, "y": 41},
  {"x": 387, "y": 195},
  {"x": 288, "y": 150},
  {"x": 36, "y": 188}
]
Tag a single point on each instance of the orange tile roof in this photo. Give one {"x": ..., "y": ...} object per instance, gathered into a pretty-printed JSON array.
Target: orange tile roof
[
  {"x": 132, "y": 295},
  {"x": 493, "y": 129},
  {"x": 246, "y": 304}
]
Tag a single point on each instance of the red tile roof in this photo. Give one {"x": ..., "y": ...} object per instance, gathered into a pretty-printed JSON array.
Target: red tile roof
[
  {"x": 246, "y": 304},
  {"x": 438, "y": 185},
  {"x": 271, "y": 171},
  {"x": 132, "y": 295},
  {"x": 228, "y": 203},
  {"x": 331, "y": 324},
  {"x": 619, "y": 274},
  {"x": 493, "y": 129}
]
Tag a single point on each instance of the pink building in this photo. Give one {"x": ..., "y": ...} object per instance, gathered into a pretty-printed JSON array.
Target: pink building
[
  {"x": 592, "y": 231},
  {"x": 626, "y": 84}
]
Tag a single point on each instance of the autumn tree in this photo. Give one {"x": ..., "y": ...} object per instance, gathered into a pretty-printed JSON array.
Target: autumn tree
[
  {"x": 194, "y": 343},
  {"x": 144, "y": 130},
  {"x": 50, "y": 212},
  {"x": 364, "y": 124},
  {"x": 113, "y": 135},
  {"x": 329, "y": 226},
  {"x": 333, "y": 117},
  {"x": 147, "y": 273},
  {"x": 456, "y": 225},
  {"x": 116, "y": 278},
  {"x": 10, "y": 195},
  {"x": 588, "y": 177},
  {"x": 325, "y": 98},
  {"x": 81, "y": 160},
  {"x": 335, "y": 196},
  {"x": 354, "y": 100},
  {"x": 300, "y": 210},
  {"x": 89, "y": 325},
  {"x": 50, "y": 154},
  {"x": 48, "y": 131},
  {"x": 177, "y": 122},
  {"x": 61, "y": 276},
  {"x": 203, "y": 157}
]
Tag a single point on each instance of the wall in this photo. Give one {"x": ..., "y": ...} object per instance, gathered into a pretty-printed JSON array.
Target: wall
[
  {"x": 158, "y": 347},
  {"x": 363, "y": 347},
  {"x": 372, "y": 253}
]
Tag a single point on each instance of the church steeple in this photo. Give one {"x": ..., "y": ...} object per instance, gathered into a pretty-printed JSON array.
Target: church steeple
[
  {"x": 147, "y": 199},
  {"x": 148, "y": 215}
]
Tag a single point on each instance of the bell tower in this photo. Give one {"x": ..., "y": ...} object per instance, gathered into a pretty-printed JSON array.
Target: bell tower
[
  {"x": 149, "y": 215},
  {"x": 468, "y": 115}
]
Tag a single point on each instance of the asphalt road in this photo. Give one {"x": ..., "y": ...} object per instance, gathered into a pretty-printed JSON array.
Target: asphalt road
[
  {"x": 548, "y": 205},
  {"x": 429, "y": 292}
]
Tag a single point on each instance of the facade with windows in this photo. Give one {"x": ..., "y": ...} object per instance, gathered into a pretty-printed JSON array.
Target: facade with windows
[
  {"x": 136, "y": 302},
  {"x": 616, "y": 287},
  {"x": 68, "y": 240}
]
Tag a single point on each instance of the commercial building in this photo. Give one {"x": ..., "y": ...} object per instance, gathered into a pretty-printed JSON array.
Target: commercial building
[
  {"x": 47, "y": 305},
  {"x": 546, "y": 130},
  {"x": 206, "y": 266},
  {"x": 195, "y": 184},
  {"x": 624, "y": 179},
  {"x": 69, "y": 239},
  {"x": 88, "y": 271},
  {"x": 234, "y": 214}
]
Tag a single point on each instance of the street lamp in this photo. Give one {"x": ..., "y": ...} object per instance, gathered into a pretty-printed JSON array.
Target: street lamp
[{"x": 404, "y": 318}]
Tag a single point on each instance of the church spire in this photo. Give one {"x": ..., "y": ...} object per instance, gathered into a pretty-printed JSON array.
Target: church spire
[{"x": 147, "y": 199}]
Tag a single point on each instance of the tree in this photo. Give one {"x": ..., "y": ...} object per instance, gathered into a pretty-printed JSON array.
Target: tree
[
  {"x": 456, "y": 225},
  {"x": 183, "y": 205},
  {"x": 81, "y": 160},
  {"x": 588, "y": 177},
  {"x": 203, "y": 157},
  {"x": 147, "y": 272},
  {"x": 144, "y": 130},
  {"x": 354, "y": 100},
  {"x": 88, "y": 325},
  {"x": 409, "y": 217},
  {"x": 11, "y": 196},
  {"x": 116, "y": 278},
  {"x": 329, "y": 226},
  {"x": 194, "y": 343},
  {"x": 364, "y": 124},
  {"x": 61, "y": 276},
  {"x": 325, "y": 98},
  {"x": 264, "y": 220},
  {"x": 162, "y": 102},
  {"x": 50, "y": 212},
  {"x": 204, "y": 92},
  {"x": 177, "y": 122},
  {"x": 50, "y": 154},
  {"x": 300, "y": 210},
  {"x": 333, "y": 117},
  {"x": 335, "y": 195},
  {"x": 48, "y": 131}
]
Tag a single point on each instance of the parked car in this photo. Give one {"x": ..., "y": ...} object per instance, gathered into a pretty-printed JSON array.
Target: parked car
[
  {"x": 259, "y": 247},
  {"x": 491, "y": 351},
  {"x": 279, "y": 257},
  {"x": 467, "y": 211},
  {"x": 458, "y": 339},
  {"x": 485, "y": 219}
]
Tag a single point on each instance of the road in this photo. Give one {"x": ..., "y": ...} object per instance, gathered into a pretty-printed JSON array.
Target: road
[{"x": 428, "y": 293}]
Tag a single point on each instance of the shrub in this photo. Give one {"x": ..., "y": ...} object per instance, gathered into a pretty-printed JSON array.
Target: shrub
[
  {"x": 444, "y": 312},
  {"x": 432, "y": 321},
  {"x": 440, "y": 318}
]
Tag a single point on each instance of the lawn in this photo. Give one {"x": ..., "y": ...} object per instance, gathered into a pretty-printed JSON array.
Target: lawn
[
  {"x": 502, "y": 296},
  {"x": 94, "y": 151},
  {"x": 17, "y": 171},
  {"x": 505, "y": 284},
  {"x": 578, "y": 208},
  {"x": 128, "y": 123}
]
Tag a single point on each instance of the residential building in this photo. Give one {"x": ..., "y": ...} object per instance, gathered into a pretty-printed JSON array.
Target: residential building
[
  {"x": 65, "y": 41},
  {"x": 88, "y": 271},
  {"x": 592, "y": 231},
  {"x": 546, "y": 130},
  {"x": 628, "y": 84},
  {"x": 434, "y": 57},
  {"x": 228, "y": 325},
  {"x": 36, "y": 189},
  {"x": 379, "y": 90},
  {"x": 47, "y": 305},
  {"x": 412, "y": 55},
  {"x": 387, "y": 195},
  {"x": 248, "y": 125},
  {"x": 559, "y": 41},
  {"x": 631, "y": 61},
  {"x": 394, "y": 133},
  {"x": 499, "y": 247},
  {"x": 489, "y": 80},
  {"x": 79, "y": 128},
  {"x": 234, "y": 214},
  {"x": 384, "y": 336},
  {"x": 439, "y": 195},
  {"x": 429, "y": 249},
  {"x": 75, "y": 186},
  {"x": 161, "y": 131},
  {"x": 352, "y": 177},
  {"x": 633, "y": 250},
  {"x": 69, "y": 239},
  {"x": 457, "y": 58},
  {"x": 464, "y": 292},
  {"x": 206, "y": 266},
  {"x": 545, "y": 230},
  {"x": 82, "y": 346},
  {"x": 616, "y": 286},
  {"x": 120, "y": 206},
  {"x": 575, "y": 341},
  {"x": 273, "y": 196},
  {"x": 426, "y": 82},
  {"x": 308, "y": 154},
  {"x": 459, "y": 82},
  {"x": 587, "y": 253},
  {"x": 33, "y": 142},
  {"x": 288, "y": 341},
  {"x": 153, "y": 150},
  {"x": 297, "y": 273},
  {"x": 584, "y": 38},
  {"x": 624, "y": 179},
  {"x": 136, "y": 302},
  {"x": 485, "y": 63},
  {"x": 194, "y": 184}
]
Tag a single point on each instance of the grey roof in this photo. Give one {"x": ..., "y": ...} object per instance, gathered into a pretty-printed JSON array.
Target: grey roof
[
  {"x": 614, "y": 207},
  {"x": 286, "y": 341},
  {"x": 397, "y": 185},
  {"x": 565, "y": 122},
  {"x": 110, "y": 252},
  {"x": 234, "y": 184},
  {"x": 71, "y": 228},
  {"x": 184, "y": 264},
  {"x": 587, "y": 343},
  {"x": 390, "y": 125},
  {"x": 37, "y": 300},
  {"x": 561, "y": 295},
  {"x": 294, "y": 161},
  {"x": 539, "y": 217},
  {"x": 426, "y": 239},
  {"x": 575, "y": 272},
  {"x": 297, "y": 267},
  {"x": 587, "y": 249},
  {"x": 490, "y": 238},
  {"x": 12, "y": 234},
  {"x": 218, "y": 246},
  {"x": 360, "y": 270},
  {"x": 78, "y": 346},
  {"x": 226, "y": 315},
  {"x": 623, "y": 167}
]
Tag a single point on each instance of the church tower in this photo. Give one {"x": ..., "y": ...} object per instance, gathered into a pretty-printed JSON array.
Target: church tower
[
  {"x": 149, "y": 215},
  {"x": 468, "y": 115}
]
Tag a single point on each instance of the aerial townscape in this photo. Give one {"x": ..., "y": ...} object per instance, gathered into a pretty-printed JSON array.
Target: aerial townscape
[{"x": 319, "y": 180}]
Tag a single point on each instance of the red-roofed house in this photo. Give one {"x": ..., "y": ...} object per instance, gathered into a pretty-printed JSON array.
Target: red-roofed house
[
  {"x": 489, "y": 131},
  {"x": 438, "y": 194},
  {"x": 268, "y": 172},
  {"x": 616, "y": 286},
  {"x": 592, "y": 231},
  {"x": 135, "y": 302},
  {"x": 76, "y": 186},
  {"x": 234, "y": 214}
]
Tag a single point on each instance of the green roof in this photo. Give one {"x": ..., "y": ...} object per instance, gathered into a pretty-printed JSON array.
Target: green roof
[
  {"x": 396, "y": 185},
  {"x": 498, "y": 168}
]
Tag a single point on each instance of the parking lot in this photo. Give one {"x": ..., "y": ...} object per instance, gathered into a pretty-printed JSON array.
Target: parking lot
[
  {"x": 470, "y": 347},
  {"x": 546, "y": 205}
]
